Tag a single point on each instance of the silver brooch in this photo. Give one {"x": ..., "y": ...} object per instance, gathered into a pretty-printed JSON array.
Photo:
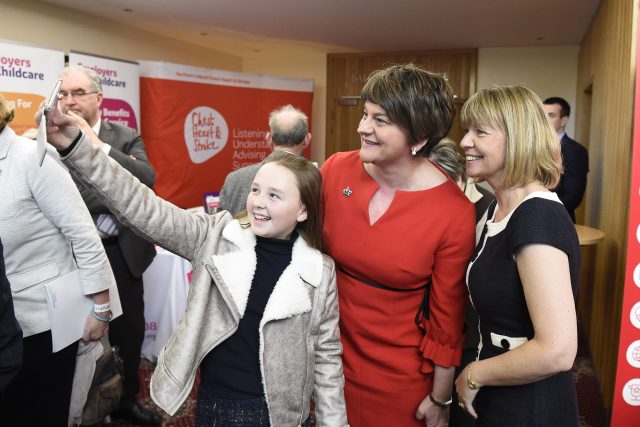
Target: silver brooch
[{"x": 346, "y": 192}]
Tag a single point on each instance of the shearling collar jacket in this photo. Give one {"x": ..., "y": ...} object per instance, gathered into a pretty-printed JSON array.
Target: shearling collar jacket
[{"x": 300, "y": 350}]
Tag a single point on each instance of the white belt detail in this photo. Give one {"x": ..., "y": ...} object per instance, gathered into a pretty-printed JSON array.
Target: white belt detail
[{"x": 508, "y": 343}]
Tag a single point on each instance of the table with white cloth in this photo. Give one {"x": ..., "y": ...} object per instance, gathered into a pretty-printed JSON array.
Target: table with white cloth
[{"x": 166, "y": 286}]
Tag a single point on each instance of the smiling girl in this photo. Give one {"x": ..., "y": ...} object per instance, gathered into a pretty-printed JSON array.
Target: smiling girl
[{"x": 262, "y": 314}]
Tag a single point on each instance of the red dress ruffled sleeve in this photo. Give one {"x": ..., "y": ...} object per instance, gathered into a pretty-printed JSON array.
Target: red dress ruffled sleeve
[{"x": 443, "y": 331}]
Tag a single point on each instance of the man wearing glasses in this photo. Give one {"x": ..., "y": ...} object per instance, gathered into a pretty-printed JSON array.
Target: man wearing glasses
[{"x": 129, "y": 255}]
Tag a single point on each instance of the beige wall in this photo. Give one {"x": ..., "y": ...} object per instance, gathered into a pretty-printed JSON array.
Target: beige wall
[
  {"x": 548, "y": 71},
  {"x": 308, "y": 65},
  {"x": 45, "y": 25},
  {"x": 40, "y": 24}
]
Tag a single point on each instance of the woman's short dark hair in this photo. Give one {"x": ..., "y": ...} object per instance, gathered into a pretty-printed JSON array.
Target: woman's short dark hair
[{"x": 416, "y": 100}]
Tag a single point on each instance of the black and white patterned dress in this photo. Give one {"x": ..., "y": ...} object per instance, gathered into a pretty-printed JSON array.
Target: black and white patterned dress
[{"x": 497, "y": 293}]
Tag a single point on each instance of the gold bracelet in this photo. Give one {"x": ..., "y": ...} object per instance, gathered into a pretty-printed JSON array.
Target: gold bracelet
[{"x": 470, "y": 383}]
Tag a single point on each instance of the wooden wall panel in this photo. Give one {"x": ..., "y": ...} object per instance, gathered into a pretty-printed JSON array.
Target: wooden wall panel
[
  {"x": 604, "y": 123},
  {"x": 347, "y": 74}
]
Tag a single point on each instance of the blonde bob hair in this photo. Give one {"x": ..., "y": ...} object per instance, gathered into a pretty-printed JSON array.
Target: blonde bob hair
[
  {"x": 6, "y": 112},
  {"x": 533, "y": 147}
]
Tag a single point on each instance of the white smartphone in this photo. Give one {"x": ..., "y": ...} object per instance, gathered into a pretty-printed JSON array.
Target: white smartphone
[
  {"x": 49, "y": 108},
  {"x": 52, "y": 102}
]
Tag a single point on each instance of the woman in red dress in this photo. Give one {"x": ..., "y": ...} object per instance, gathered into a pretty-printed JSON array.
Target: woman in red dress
[{"x": 398, "y": 228}]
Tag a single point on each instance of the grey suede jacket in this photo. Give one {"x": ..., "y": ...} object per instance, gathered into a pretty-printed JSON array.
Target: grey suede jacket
[{"x": 300, "y": 350}]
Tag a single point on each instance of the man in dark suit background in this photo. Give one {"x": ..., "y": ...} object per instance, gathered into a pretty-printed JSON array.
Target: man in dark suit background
[
  {"x": 288, "y": 131},
  {"x": 129, "y": 254},
  {"x": 575, "y": 158}
]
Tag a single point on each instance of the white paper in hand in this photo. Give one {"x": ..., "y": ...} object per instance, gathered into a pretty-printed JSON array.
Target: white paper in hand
[
  {"x": 69, "y": 308},
  {"x": 41, "y": 151}
]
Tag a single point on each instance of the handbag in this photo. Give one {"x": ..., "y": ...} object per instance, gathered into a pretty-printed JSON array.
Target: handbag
[{"x": 106, "y": 387}]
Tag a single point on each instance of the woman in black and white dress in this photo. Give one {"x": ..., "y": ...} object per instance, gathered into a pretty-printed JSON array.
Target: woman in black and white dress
[{"x": 523, "y": 275}]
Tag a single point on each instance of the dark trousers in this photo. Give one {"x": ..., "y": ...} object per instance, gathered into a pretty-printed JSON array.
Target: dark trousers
[
  {"x": 40, "y": 394},
  {"x": 214, "y": 411},
  {"x": 127, "y": 331}
]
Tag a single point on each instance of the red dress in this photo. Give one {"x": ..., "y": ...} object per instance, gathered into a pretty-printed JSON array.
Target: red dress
[{"x": 388, "y": 360}]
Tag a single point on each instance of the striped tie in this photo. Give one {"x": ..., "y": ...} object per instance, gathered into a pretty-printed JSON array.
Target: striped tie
[{"x": 106, "y": 225}]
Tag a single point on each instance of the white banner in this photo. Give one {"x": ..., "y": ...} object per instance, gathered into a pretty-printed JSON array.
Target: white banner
[
  {"x": 27, "y": 76},
  {"x": 120, "y": 87},
  {"x": 186, "y": 73}
]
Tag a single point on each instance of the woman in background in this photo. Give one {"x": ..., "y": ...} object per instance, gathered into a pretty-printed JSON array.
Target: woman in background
[
  {"x": 448, "y": 157},
  {"x": 47, "y": 232},
  {"x": 523, "y": 275},
  {"x": 400, "y": 232}
]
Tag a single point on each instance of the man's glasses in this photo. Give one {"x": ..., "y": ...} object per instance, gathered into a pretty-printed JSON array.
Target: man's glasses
[{"x": 76, "y": 93}]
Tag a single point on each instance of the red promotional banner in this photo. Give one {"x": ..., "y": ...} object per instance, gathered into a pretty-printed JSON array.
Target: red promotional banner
[
  {"x": 200, "y": 124},
  {"x": 626, "y": 399}
]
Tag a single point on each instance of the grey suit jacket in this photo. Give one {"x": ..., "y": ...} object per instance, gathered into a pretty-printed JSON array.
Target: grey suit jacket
[
  {"x": 46, "y": 230},
  {"x": 128, "y": 150},
  {"x": 236, "y": 188}
]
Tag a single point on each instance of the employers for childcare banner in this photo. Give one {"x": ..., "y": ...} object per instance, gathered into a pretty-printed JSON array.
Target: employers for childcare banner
[
  {"x": 120, "y": 87},
  {"x": 199, "y": 124},
  {"x": 27, "y": 77}
]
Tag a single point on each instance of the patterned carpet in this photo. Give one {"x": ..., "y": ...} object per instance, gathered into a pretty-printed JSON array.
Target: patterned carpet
[
  {"x": 592, "y": 413},
  {"x": 185, "y": 415}
]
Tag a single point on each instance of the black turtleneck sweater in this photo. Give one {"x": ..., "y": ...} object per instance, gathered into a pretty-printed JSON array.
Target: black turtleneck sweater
[{"x": 232, "y": 369}]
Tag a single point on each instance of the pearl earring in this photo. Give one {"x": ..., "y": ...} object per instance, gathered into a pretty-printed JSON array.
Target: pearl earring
[{"x": 414, "y": 151}]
